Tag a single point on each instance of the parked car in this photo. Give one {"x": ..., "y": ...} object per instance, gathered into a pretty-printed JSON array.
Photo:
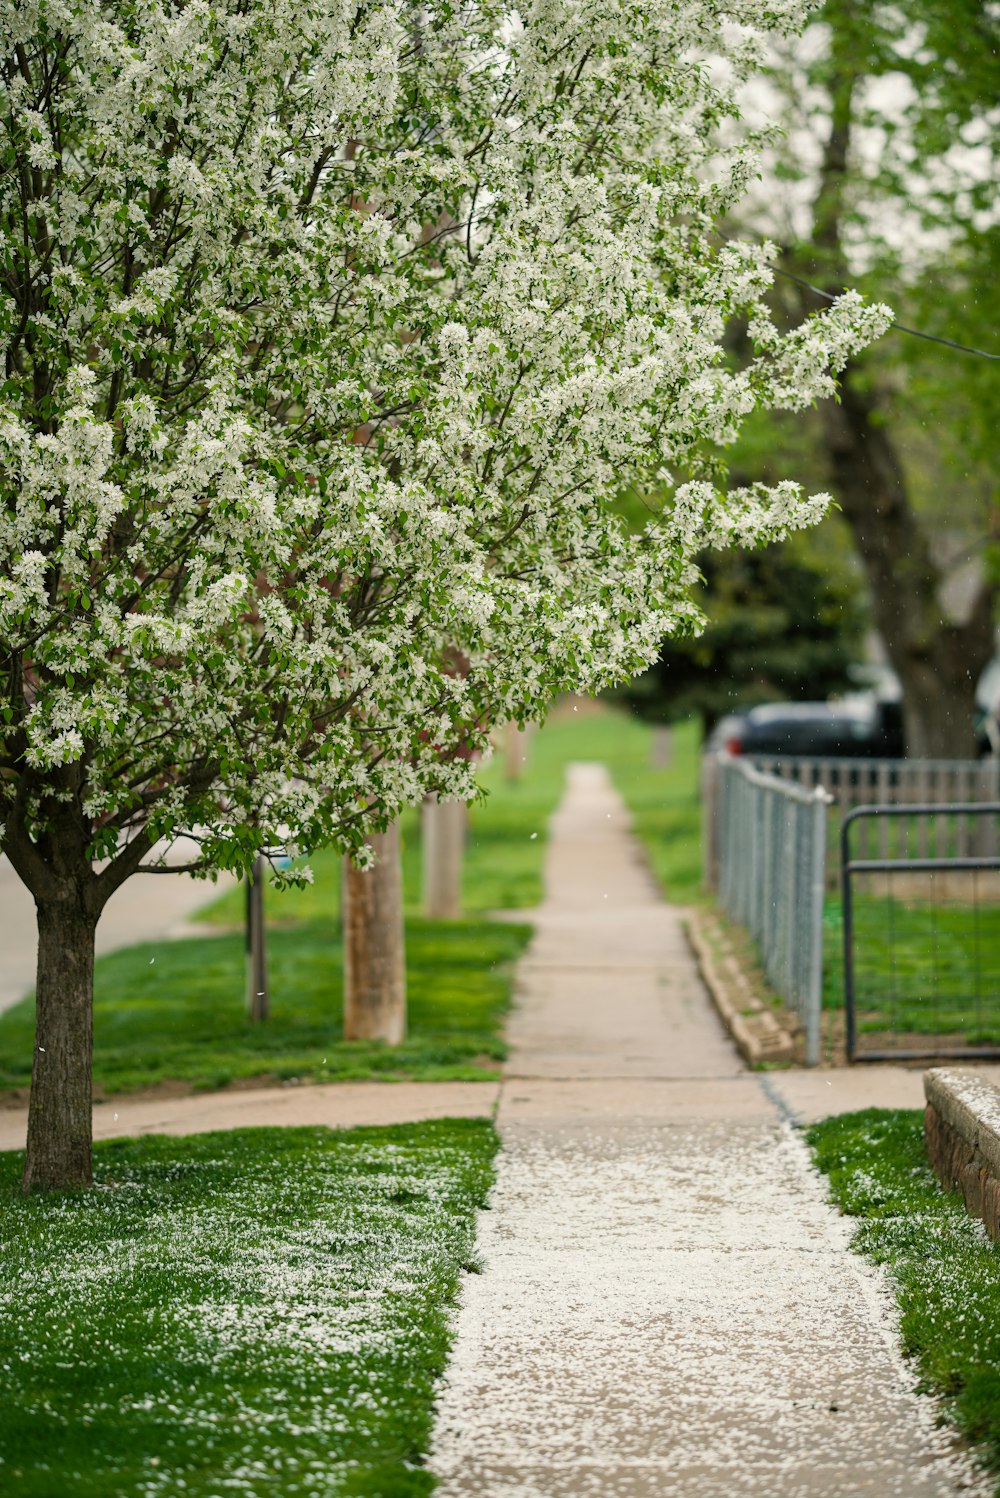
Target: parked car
[
  {"x": 861, "y": 728},
  {"x": 988, "y": 710},
  {"x": 987, "y": 731}
]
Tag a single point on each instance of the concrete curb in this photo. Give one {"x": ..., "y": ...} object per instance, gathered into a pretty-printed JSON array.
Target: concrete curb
[
  {"x": 962, "y": 1129},
  {"x": 757, "y": 1032}
]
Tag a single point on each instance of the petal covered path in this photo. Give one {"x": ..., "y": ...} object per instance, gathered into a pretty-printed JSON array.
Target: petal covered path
[{"x": 667, "y": 1307}]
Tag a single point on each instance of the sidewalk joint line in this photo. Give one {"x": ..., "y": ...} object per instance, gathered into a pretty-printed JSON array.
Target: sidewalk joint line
[{"x": 770, "y": 1091}]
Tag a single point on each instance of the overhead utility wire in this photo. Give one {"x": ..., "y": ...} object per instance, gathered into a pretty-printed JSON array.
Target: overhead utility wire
[{"x": 963, "y": 348}]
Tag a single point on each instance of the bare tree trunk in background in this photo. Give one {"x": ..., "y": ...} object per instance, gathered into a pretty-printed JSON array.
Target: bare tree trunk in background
[
  {"x": 937, "y": 660},
  {"x": 374, "y": 960},
  {"x": 443, "y": 825},
  {"x": 661, "y": 749},
  {"x": 515, "y": 751}
]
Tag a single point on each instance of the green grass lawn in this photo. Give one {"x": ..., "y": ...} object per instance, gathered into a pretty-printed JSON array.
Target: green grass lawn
[
  {"x": 252, "y": 1312},
  {"x": 919, "y": 968},
  {"x": 945, "y": 1271},
  {"x": 174, "y": 1010}
]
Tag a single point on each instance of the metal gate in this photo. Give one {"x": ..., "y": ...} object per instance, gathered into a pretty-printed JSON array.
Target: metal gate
[{"x": 921, "y": 931}]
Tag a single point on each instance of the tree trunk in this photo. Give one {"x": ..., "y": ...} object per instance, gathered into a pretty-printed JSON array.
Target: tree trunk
[
  {"x": 938, "y": 661},
  {"x": 443, "y": 826},
  {"x": 939, "y": 698},
  {"x": 374, "y": 963},
  {"x": 515, "y": 751},
  {"x": 59, "y": 1113},
  {"x": 661, "y": 748}
]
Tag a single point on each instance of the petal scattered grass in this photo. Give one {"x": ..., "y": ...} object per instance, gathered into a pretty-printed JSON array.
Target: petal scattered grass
[
  {"x": 256, "y": 1312},
  {"x": 943, "y": 1267}
]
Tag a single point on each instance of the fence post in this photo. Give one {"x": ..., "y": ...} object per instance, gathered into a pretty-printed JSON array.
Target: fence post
[
  {"x": 256, "y": 943},
  {"x": 710, "y": 792},
  {"x": 817, "y": 895}
]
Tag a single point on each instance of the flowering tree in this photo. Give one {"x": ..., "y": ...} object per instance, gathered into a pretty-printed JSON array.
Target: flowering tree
[{"x": 273, "y": 448}]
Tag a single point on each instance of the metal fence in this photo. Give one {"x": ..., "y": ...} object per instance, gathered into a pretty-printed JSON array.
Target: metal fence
[
  {"x": 771, "y": 856},
  {"x": 921, "y": 930},
  {"x": 851, "y": 783}
]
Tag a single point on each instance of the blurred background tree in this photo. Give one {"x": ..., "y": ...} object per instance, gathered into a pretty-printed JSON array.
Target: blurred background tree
[
  {"x": 783, "y": 622},
  {"x": 888, "y": 179}
]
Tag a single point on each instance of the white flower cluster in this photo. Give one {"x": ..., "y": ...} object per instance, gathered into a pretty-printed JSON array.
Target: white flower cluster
[{"x": 332, "y": 333}]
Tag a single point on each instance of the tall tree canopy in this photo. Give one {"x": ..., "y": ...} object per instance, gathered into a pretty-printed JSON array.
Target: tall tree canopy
[{"x": 328, "y": 329}]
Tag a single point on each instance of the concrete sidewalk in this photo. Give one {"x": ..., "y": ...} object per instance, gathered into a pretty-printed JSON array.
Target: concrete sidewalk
[
  {"x": 668, "y": 1305},
  {"x": 338, "y": 1105}
]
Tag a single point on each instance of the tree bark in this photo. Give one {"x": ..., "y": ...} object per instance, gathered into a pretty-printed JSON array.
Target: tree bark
[
  {"x": 59, "y": 1113},
  {"x": 937, "y": 660},
  {"x": 661, "y": 747},
  {"x": 515, "y": 751},
  {"x": 374, "y": 961},
  {"x": 443, "y": 825},
  {"x": 69, "y": 897}
]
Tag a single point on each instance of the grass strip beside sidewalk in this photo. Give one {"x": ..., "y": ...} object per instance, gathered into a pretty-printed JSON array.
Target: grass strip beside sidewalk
[
  {"x": 944, "y": 1269},
  {"x": 251, "y": 1312},
  {"x": 174, "y": 1010}
]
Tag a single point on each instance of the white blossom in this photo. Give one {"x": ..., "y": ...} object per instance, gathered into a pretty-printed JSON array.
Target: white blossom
[{"x": 332, "y": 336}]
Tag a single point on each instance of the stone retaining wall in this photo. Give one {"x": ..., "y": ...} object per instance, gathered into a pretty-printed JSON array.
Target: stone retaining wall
[{"x": 962, "y": 1127}]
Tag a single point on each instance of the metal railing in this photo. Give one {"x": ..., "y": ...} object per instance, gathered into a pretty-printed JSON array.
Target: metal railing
[
  {"x": 771, "y": 857},
  {"x": 850, "y": 783},
  {"x": 921, "y": 930}
]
